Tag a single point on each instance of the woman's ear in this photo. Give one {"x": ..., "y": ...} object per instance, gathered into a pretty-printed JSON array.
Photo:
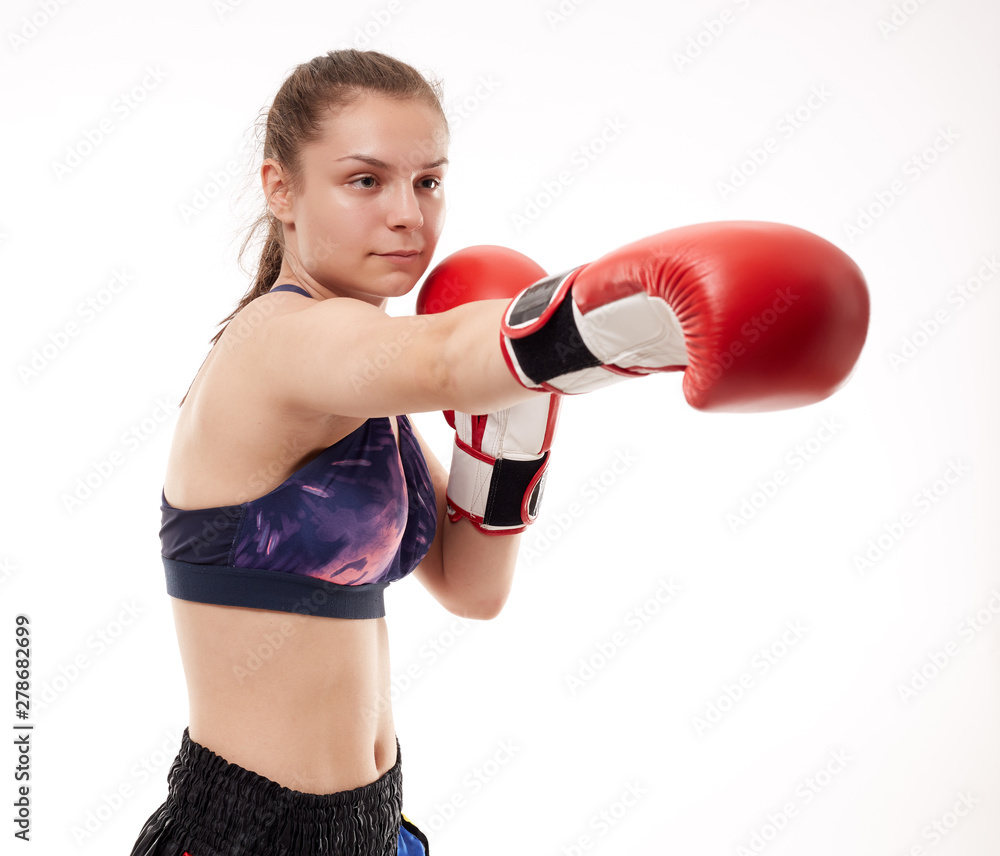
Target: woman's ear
[{"x": 277, "y": 191}]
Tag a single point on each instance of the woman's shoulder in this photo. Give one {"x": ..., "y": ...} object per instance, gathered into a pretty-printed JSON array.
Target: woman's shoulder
[
  {"x": 250, "y": 320},
  {"x": 339, "y": 355}
]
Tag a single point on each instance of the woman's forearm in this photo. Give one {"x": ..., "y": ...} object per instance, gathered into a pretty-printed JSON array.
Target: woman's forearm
[{"x": 477, "y": 569}]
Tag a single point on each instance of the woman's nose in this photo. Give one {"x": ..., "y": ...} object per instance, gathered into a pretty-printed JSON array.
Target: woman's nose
[{"x": 404, "y": 209}]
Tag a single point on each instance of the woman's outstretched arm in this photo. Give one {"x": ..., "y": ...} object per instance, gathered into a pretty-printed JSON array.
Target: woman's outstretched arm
[{"x": 348, "y": 358}]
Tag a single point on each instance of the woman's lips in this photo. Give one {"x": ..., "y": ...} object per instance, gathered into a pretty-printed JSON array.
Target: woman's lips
[{"x": 401, "y": 258}]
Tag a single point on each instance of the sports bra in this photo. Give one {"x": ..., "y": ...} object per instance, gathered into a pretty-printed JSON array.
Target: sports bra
[{"x": 327, "y": 541}]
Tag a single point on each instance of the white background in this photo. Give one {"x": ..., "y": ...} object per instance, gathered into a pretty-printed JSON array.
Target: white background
[{"x": 500, "y": 752}]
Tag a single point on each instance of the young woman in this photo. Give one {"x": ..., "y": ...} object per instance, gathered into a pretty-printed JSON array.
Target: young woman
[
  {"x": 289, "y": 459},
  {"x": 297, "y": 489}
]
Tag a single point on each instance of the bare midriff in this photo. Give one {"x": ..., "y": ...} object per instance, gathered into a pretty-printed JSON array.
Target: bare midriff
[{"x": 300, "y": 699}]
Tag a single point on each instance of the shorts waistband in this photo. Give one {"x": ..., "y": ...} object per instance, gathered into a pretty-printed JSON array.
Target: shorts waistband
[{"x": 219, "y": 808}]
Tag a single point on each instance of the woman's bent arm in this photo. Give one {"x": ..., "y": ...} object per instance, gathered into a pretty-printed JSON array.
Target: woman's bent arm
[
  {"x": 346, "y": 357},
  {"x": 467, "y": 571}
]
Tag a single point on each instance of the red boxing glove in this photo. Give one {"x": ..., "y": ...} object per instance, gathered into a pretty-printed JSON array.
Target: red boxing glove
[
  {"x": 499, "y": 459},
  {"x": 759, "y": 316}
]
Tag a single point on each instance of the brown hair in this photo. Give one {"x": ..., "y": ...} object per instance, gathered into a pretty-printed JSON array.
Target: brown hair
[{"x": 296, "y": 118}]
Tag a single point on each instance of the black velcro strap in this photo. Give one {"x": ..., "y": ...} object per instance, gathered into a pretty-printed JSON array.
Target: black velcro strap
[
  {"x": 508, "y": 486},
  {"x": 554, "y": 350}
]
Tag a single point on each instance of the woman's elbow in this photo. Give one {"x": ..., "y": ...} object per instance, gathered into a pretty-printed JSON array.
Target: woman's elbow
[{"x": 478, "y": 610}]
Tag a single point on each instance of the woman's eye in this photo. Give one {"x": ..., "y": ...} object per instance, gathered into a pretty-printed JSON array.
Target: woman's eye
[
  {"x": 366, "y": 178},
  {"x": 434, "y": 183}
]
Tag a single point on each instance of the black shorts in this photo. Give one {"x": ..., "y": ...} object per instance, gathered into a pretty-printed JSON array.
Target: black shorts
[{"x": 215, "y": 808}]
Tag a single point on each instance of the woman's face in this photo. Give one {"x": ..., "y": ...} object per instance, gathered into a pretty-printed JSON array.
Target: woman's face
[{"x": 367, "y": 218}]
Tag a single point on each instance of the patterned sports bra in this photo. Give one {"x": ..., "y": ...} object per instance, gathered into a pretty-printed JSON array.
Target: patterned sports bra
[{"x": 326, "y": 541}]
